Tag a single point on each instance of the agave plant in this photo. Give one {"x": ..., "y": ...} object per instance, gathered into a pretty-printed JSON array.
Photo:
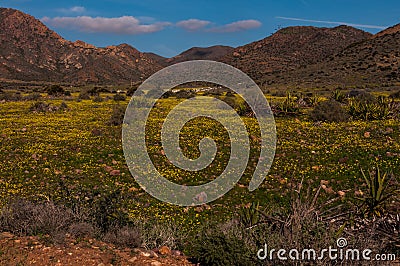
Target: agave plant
[
  {"x": 374, "y": 201},
  {"x": 366, "y": 110},
  {"x": 250, "y": 216},
  {"x": 338, "y": 96},
  {"x": 290, "y": 105}
]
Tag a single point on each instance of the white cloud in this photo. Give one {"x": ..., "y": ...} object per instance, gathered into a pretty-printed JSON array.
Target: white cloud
[
  {"x": 335, "y": 23},
  {"x": 119, "y": 25},
  {"x": 73, "y": 10},
  {"x": 237, "y": 26},
  {"x": 193, "y": 24}
]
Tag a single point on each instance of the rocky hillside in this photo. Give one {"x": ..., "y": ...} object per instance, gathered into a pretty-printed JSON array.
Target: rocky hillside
[
  {"x": 374, "y": 61},
  {"x": 31, "y": 51},
  {"x": 291, "y": 48},
  {"x": 294, "y": 56},
  {"x": 198, "y": 53}
]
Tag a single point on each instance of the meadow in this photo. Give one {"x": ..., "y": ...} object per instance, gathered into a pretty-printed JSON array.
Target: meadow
[{"x": 74, "y": 157}]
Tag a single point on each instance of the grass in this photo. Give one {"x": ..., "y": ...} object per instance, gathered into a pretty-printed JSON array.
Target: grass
[{"x": 38, "y": 150}]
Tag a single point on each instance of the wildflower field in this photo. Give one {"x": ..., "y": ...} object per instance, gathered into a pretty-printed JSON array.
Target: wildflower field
[{"x": 74, "y": 156}]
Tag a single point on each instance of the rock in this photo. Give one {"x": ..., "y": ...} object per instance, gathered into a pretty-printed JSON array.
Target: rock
[
  {"x": 367, "y": 134},
  {"x": 153, "y": 254},
  {"x": 108, "y": 168},
  {"x": 133, "y": 259},
  {"x": 145, "y": 253},
  {"x": 164, "y": 250},
  {"x": 115, "y": 172},
  {"x": 156, "y": 263},
  {"x": 6, "y": 235},
  {"x": 341, "y": 193},
  {"x": 324, "y": 182},
  {"x": 176, "y": 253}
]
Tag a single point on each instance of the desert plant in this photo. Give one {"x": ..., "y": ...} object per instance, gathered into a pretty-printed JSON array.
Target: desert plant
[
  {"x": 10, "y": 96},
  {"x": 395, "y": 95},
  {"x": 23, "y": 217},
  {"x": 126, "y": 236},
  {"x": 249, "y": 216},
  {"x": 329, "y": 111},
  {"x": 55, "y": 90},
  {"x": 216, "y": 248},
  {"x": 117, "y": 116},
  {"x": 157, "y": 234},
  {"x": 378, "y": 194},
  {"x": 368, "y": 109},
  {"x": 289, "y": 106},
  {"x": 312, "y": 100},
  {"x": 98, "y": 99},
  {"x": 33, "y": 96},
  {"x": 119, "y": 97},
  {"x": 63, "y": 107},
  {"x": 338, "y": 96},
  {"x": 84, "y": 95},
  {"x": 43, "y": 107}
]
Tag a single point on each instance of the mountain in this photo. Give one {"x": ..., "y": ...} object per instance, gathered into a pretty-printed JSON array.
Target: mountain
[
  {"x": 30, "y": 51},
  {"x": 374, "y": 61},
  {"x": 294, "y": 56},
  {"x": 214, "y": 53},
  {"x": 291, "y": 48}
]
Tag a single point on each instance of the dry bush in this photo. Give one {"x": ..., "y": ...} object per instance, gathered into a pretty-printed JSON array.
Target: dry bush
[
  {"x": 22, "y": 217},
  {"x": 329, "y": 111},
  {"x": 117, "y": 116},
  {"x": 126, "y": 236}
]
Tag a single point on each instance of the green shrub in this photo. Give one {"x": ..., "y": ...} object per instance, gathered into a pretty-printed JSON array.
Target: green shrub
[
  {"x": 289, "y": 106},
  {"x": 33, "y": 96},
  {"x": 240, "y": 106},
  {"x": 55, "y": 90},
  {"x": 216, "y": 248},
  {"x": 395, "y": 95},
  {"x": 119, "y": 97},
  {"x": 367, "y": 108},
  {"x": 329, "y": 111},
  {"x": 43, "y": 107},
  {"x": 63, "y": 107},
  {"x": 338, "y": 96},
  {"x": 84, "y": 95},
  {"x": 11, "y": 96},
  {"x": 98, "y": 99},
  {"x": 117, "y": 115},
  {"x": 378, "y": 192}
]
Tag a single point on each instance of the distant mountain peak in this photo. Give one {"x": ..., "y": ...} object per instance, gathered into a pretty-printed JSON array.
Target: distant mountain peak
[{"x": 30, "y": 51}]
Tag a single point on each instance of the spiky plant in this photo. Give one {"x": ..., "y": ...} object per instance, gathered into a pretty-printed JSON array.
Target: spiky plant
[{"x": 373, "y": 202}]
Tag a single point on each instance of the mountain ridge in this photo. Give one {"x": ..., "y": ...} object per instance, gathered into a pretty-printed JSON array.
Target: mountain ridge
[{"x": 30, "y": 51}]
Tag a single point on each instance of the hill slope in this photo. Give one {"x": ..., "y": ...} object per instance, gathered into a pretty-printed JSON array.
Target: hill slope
[
  {"x": 375, "y": 61},
  {"x": 198, "y": 53},
  {"x": 291, "y": 48},
  {"x": 31, "y": 51}
]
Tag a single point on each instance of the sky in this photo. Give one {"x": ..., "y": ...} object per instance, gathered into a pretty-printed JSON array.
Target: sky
[{"x": 168, "y": 27}]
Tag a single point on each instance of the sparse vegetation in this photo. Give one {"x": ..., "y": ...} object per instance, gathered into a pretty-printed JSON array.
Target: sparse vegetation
[
  {"x": 329, "y": 111},
  {"x": 119, "y": 97}
]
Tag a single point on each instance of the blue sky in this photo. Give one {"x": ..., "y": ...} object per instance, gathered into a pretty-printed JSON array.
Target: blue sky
[{"x": 170, "y": 27}]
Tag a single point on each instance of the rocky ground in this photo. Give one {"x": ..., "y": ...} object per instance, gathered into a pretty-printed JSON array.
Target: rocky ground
[{"x": 35, "y": 250}]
